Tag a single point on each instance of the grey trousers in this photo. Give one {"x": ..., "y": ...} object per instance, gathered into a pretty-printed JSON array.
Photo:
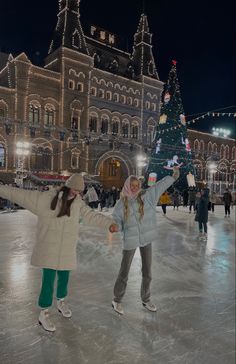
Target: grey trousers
[{"x": 122, "y": 279}]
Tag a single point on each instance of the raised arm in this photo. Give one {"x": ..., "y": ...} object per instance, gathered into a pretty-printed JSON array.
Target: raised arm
[
  {"x": 156, "y": 191},
  {"x": 25, "y": 198}
]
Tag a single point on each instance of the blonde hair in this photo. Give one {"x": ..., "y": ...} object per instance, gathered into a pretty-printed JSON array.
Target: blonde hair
[{"x": 139, "y": 200}]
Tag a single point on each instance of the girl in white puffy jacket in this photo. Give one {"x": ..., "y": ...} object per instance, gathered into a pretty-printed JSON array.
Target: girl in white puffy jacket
[
  {"x": 135, "y": 213},
  {"x": 58, "y": 214}
]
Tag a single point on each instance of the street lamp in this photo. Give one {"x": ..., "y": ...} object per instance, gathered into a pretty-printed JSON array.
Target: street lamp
[
  {"x": 212, "y": 167},
  {"x": 141, "y": 161},
  {"x": 22, "y": 151},
  {"x": 221, "y": 132}
]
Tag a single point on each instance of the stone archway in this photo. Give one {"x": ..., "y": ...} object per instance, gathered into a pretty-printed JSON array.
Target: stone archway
[{"x": 113, "y": 169}]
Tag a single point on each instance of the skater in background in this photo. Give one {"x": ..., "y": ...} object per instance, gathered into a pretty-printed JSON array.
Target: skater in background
[
  {"x": 212, "y": 200},
  {"x": 164, "y": 201},
  {"x": 227, "y": 199},
  {"x": 58, "y": 214},
  {"x": 191, "y": 198},
  {"x": 135, "y": 213},
  {"x": 202, "y": 213},
  {"x": 176, "y": 199}
]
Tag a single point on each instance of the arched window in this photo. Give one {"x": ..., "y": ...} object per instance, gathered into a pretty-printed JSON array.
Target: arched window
[
  {"x": 136, "y": 102},
  {"x": 80, "y": 87},
  {"x": 108, "y": 95},
  {"x": 209, "y": 148},
  {"x": 115, "y": 128},
  {"x": 75, "y": 154},
  {"x": 125, "y": 130},
  {"x": 134, "y": 131},
  {"x": 49, "y": 115},
  {"x": 104, "y": 125},
  {"x": 147, "y": 105},
  {"x": 227, "y": 152},
  {"x": 123, "y": 99},
  {"x": 2, "y": 155},
  {"x": 202, "y": 146},
  {"x": 196, "y": 146},
  {"x": 222, "y": 151},
  {"x": 71, "y": 84},
  {"x": 116, "y": 97},
  {"x": 33, "y": 114},
  {"x": 129, "y": 100},
  {"x": 93, "y": 121},
  {"x": 93, "y": 91},
  {"x": 153, "y": 107},
  {"x": 233, "y": 153},
  {"x": 150, "y": 134}
]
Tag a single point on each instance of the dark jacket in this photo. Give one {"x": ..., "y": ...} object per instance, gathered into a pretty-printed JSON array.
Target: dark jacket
[
  {"x": 227, "y": 198},
  {"x": 202, "y": 210}
]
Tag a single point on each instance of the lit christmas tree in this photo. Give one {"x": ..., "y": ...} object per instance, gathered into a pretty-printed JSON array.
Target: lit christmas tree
[{"x": 171, "y": 143}]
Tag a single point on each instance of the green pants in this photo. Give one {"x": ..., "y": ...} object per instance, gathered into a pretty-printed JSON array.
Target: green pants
[{"x": 48, "y": 279}]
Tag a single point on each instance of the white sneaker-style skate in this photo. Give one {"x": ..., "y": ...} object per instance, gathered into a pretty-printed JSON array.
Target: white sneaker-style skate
[
  {"x": 63, "y": 308},
  {"x": 150, "y": 306},
  {"x": 117, "y": 307},
  {"x": 45, "y": 321}
]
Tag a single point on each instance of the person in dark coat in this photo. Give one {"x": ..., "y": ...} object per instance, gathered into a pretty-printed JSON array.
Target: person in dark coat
[
  {"x": 227, "y": 199},
  {"x": 202, "y": 213}
]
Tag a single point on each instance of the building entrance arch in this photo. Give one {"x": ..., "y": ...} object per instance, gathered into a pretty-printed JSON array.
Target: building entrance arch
[{"x": 113, "y": 169}]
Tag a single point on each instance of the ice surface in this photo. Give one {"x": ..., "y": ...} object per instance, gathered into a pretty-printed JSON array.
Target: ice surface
[{"x": 193, "y": 286}]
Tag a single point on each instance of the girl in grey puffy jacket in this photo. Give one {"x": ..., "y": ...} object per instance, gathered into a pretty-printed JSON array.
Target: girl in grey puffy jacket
[{"x": 135, "y": 213}]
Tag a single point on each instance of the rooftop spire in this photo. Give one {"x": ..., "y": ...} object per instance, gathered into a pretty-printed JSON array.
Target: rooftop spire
[
  {"x": 142, "y": 55},
  {"x": 68, "y": 32}
]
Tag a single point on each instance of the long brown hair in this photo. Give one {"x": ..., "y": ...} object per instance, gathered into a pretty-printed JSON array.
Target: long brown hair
[
  {"x": 65, "y": 203},
  {"x": 139, "y": 200}
]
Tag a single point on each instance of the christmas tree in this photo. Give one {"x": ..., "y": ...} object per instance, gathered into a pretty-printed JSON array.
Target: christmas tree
[{"x": 171, "y": 143}]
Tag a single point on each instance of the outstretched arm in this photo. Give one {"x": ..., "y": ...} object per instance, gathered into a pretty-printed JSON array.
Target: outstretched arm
[
  {"x": 93, "y": 218},
  {"x": 25, "y": 198},
  {"x": 156, "y": 191}
]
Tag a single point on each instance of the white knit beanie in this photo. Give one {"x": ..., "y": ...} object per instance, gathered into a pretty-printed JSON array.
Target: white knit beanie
[{"x": 76, "y": 182}]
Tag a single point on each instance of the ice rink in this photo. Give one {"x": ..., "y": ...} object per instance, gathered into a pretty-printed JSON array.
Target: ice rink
[{"x": 193, "y": 286}]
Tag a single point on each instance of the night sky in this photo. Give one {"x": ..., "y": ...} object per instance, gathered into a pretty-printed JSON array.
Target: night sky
[{"x": 200, "y": 35}]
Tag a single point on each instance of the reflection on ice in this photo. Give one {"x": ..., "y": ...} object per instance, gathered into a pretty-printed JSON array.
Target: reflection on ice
[{"x": 193, "y": 286}]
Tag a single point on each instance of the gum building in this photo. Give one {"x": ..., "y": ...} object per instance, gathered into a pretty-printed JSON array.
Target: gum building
[{"x": 92, "y": 107}]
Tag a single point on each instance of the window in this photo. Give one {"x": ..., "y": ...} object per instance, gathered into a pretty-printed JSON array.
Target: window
[
  {"x": 147, "y": 105},
  {"x": 33, "y": 114},
  {"x": 93, "y": 123},
  {"x": 2, "y": 112},
  {"x": 115, "y": 127},
  {"x": 125, "y": 130},
  {"x": 116, "y": 97},
  {"x": 74, "y": 123},
  {"x": 80, "y": 87},
  {"x": 129, "y": 100},
  {"x": 101, "y": 93},
  {"x": 136, "y": 102},
  {"x": 93, "y": 91},
  {"x": 134, "y": 131},
  {"x": 153, "y": 107},
  {"x": 71, "y": 85},
  {"x": 108, "y": 95},
  {"x": 2, "y": 155},
  {"x": 75, "y": 159},
  {"x": 49, "y": 117},
  {"x": 104, "y": 126},
  {"x": 123, "y": 99}
]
